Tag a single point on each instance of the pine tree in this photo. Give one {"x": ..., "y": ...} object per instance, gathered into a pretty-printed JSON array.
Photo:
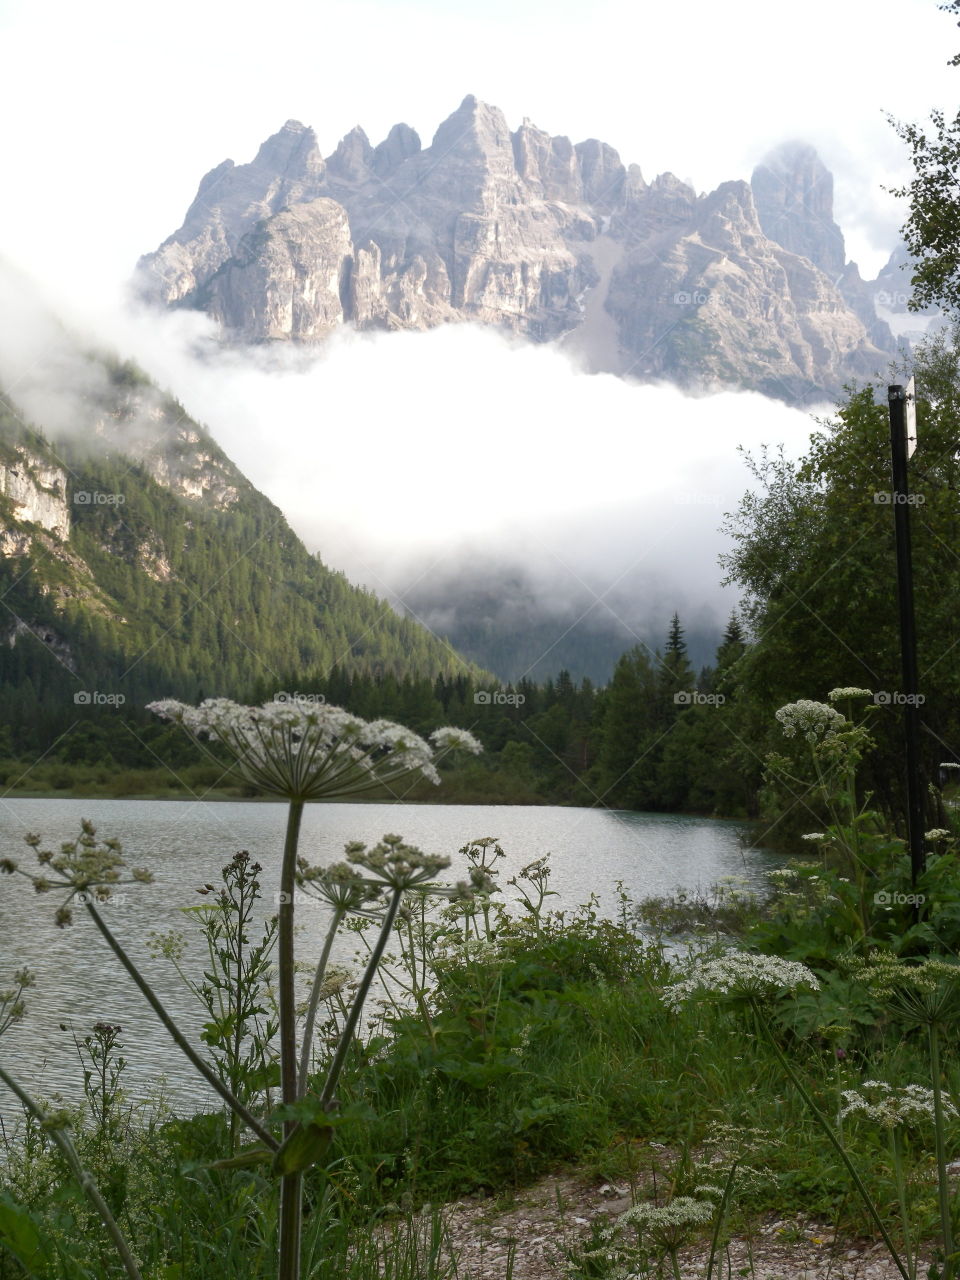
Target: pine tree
[{"x": 625, "y": 730}]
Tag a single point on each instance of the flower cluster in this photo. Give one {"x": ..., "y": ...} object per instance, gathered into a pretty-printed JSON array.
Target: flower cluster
[
  {"x": 740, "y": 974},
  {"x": 312, "y": 751},
  {"x": 480, "y": 884},
  {"x": 879, "y": 1102},
  {"x": 397, "y": 865},
  {"x": 813, "y": 720},
  {"x": 782, "y": 875},
  {"x": 848, "y": 691},
  {"x": 87, "y": 867},
  {"x": 727, "y": 1148},
  {"x": 886, "y": 973},
  {"x": 669, "y": 1225},
  {"x": 921, "y": 992},
  {"x": 12, "y": 1006},
  {"x": 450, "y": 738},
  {"x": 337, "y": 980},
  {"x": 340, "y": 886}
]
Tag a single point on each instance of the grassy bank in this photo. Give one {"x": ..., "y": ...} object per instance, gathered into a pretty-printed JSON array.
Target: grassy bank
[
  {"x": 725, "y": 1056},
  {"x": 533, "y": 1042},
  {"x": 471, "y": 784}
]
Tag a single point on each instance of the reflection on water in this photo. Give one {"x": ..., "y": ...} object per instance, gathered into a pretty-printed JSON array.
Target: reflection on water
[{"x": 185, "y": 844}]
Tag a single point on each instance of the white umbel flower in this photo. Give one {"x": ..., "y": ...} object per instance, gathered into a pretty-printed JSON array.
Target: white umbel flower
[
  {"x": 813, "y": 720},
  {"x": 848, "y": 691},
  {"x": 669, "y": 1224},
  {"x": 743, "y": 974},
  {"x": 311, "y": 751},
  {"x": 908, "y": 1106}
]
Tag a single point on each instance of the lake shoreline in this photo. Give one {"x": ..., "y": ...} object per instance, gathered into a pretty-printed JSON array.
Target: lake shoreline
[
  {"x": 459, "y": 801},
  {"x": 186, "y": 844}
]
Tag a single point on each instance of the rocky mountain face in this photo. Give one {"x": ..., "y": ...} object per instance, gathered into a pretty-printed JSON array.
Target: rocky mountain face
[
  {"x": 745, "y": 286},
  {"x": 33, "y": 492},
  {"x": 793, "y": 193}
]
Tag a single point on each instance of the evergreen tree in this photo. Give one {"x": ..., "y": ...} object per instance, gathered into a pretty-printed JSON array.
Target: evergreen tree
[{"x": 621, "y": 770}]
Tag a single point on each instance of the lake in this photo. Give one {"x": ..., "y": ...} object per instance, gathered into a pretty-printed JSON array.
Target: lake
[{"x": 185, "y": 843}]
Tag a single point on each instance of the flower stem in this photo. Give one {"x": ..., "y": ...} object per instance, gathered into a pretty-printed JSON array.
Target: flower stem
[
  {"x": 721, "y": 1214},
  {"x": 373, "y": 962},
  {"x": 314, "y": 1002},
  {"x": 835, "y": 1141},
  {"x": 902, "y": 1198},
  {"x": 291, "y": 1185},
  {"x": 83, "y": 1176},
  {"x": 675, "y": 1264},
  {"x": 180, "y": 1039},
  {"x": 943, "y": 1186}
]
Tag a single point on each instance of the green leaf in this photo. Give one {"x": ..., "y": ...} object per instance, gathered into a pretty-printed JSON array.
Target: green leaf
[
  {"x": 20, "y": 1234},
  {"x": 242, "y": 1160},
  {"x": 305, "y": 1146}
]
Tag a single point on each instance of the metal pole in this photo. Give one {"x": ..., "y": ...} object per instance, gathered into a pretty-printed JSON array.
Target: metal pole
[{"x": 897, "y": 397}]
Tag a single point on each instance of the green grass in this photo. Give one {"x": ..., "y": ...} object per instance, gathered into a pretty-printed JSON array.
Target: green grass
[
  {"x": 556, "y": 1052},
  {"x": 55, "y": 779}
]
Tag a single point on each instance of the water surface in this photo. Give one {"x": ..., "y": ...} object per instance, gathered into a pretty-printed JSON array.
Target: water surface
[{"x": 185, "y": 843}]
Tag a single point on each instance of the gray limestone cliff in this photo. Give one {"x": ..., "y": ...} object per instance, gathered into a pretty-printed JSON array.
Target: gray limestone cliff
[
  {"x": 746, "y": 286},
  {"x": 35, "y": 493},
  {"x": 793, "y": 193}
]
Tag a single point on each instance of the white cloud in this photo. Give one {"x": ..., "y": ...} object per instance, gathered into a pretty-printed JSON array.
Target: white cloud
[
  {"x": 399, "y": 454},
  {"x": 115, "y": 111}
]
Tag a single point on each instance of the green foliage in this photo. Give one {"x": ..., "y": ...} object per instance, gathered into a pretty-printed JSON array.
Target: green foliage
[
  {"x": 234, "y": 991},
  {"x": 932, "y": 231},
  {"x": 540, "y": 1039},
  {"x": 164, "y": 594},
  {"x": 814, "y": 554},
  {"x": 21, "y": 1235}
]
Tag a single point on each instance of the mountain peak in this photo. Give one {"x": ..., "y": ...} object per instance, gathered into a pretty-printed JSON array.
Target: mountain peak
[
  {"x": 291, "y": 152},
  {"x": 793, "y": 190},
  {"x": 603, "y": 173},
  {"x": 400, "y": 144},
  {"x": 526, "y": 231},
  {"x": 792, "y": 155},
  {"x": 353, "y": 157},
  {"x": 474, "y": 126}
]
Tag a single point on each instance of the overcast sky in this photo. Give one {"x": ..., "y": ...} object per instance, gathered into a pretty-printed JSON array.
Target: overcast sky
[{"x": 113, "y": 112}]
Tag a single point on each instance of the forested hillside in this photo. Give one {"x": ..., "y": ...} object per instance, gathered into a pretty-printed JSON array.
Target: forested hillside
[{"x": 135, "y": 565}]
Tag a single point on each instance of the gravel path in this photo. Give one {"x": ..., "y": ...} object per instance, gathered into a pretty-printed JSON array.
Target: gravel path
[{"x": 527, "y": 1239}]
